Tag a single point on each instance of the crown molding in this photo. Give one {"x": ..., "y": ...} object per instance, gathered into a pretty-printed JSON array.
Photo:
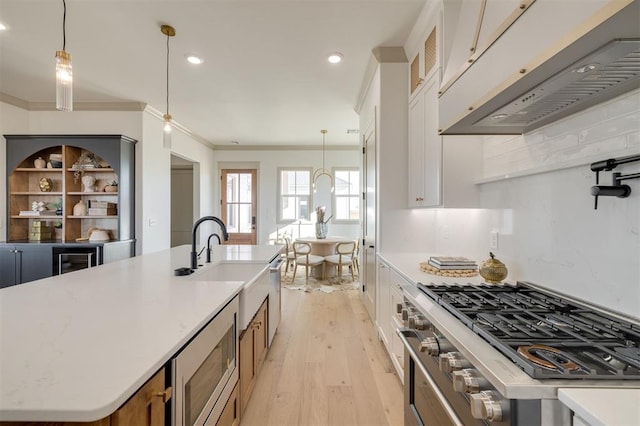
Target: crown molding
[
  {"x": 77, "y": 106},
  {"x": 379, "y": 55},
  {"x": 12, "y": 100},
  {"x": 284, "y": 148},
  {"x": 176, "y": 125},
  {"x": 90, "y": 106},
  {"x": 144, "y": 107}
]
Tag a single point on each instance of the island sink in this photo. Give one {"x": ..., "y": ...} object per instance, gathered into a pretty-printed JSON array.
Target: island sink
[{"x": 255, "y": 277}]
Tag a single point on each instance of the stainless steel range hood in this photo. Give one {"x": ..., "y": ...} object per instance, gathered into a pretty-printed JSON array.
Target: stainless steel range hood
[{"x": 600, "y": 65}]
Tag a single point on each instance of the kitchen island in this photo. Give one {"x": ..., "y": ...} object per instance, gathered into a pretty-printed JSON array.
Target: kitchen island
[{"x": 75, "y": 347}]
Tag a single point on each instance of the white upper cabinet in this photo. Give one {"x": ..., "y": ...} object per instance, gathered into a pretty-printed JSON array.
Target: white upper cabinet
[
  {"x": 441, "y": 171},
  {"x": 425, "y": 146},
  {"x": 518, "y": 45}
]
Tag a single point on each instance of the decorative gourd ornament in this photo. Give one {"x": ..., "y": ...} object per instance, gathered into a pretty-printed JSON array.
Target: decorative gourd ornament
[
  {"x": 492, "y": 270},
  {"x": 45, "y": 184}
]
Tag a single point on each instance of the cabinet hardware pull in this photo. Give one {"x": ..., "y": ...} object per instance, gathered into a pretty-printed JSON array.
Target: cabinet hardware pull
[{"x": 165, "y": 395}]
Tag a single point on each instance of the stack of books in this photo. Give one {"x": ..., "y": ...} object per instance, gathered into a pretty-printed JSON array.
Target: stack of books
[
  {"x": 450, "y": 266},
  {"x": 102, "y": 208},
  {"x": 452, "y": 262},
  {"x": 32, "y": 213},
  {"x": 40, "y": 231}
]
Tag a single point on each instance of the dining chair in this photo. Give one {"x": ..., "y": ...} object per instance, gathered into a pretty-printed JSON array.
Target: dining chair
[
  {"x": 305, "y": 258},
  {"x": 289, "y": 255},
  {"x": 356, "y": 256},
  {"x": 344, "y": 257}
]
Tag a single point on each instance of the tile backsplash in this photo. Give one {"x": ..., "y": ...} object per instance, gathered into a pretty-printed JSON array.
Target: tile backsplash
[
  {"x": 549, "y": 232},
  {"x": 606, "y": 131}
]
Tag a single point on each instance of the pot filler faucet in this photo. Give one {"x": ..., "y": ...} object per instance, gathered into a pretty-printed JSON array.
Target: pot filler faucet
[
  {"x": 194, "y": 253},
  {"x": 616, "y": 189}
]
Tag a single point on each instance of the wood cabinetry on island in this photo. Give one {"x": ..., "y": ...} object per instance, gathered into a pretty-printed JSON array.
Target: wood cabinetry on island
[
  {"x": 253, "y": 349},
  {"x": 145, "y": 408}
]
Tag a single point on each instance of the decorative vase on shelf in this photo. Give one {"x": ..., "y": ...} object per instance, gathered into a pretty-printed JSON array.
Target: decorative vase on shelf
[
  {"x": 39, "y": 163},
  {"x": 321, "y": 230},
  {"x": 80, "y": 209}
]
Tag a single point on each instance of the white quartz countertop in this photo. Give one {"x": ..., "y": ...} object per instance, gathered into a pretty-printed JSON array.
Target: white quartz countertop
[
  {"x": 604, "y": 407},
  {"x": 245, "y": 253},
  {"x": 75, "y": 347},
  {"x": 408, "y": 265}
]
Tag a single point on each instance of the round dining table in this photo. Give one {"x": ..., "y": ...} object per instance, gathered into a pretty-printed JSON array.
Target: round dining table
[{"x": 324, "y": 247}]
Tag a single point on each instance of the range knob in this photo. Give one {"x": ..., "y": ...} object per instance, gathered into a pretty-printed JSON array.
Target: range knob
[
  {"x": 399, "y": 307},
  {"x": 432, "y": 346},
  {"x": 452, "y": 361},
  {"x": 418, "y": 322},
  {"x": 488, "y": 405},
  {"x": 468, "y": 380},
  {"x": 405, "y": 314}
]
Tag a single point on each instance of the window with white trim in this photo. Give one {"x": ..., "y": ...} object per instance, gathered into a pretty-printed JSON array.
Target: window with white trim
[
  {"x": 346, "y": 196},
  {"x": 294, "y": 194}
]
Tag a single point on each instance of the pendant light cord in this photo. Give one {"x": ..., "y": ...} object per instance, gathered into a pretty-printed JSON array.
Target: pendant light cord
[
  {"x": 323, "y": 135},
  {"x": 64, "y": 25},
  {"x": 167, "y": 74}
]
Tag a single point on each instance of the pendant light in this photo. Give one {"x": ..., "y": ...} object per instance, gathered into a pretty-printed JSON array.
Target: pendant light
[
  {"x": 169, "y": 31},
  {"x": 64, "y": 74},
  {"x": 321, "y": 172}
]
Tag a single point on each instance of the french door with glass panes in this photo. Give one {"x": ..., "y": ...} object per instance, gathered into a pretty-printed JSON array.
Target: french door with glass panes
[{"x": 239, "y": 197}]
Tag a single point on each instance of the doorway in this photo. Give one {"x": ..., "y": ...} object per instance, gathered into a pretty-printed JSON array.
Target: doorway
[
  {"x": 239, "y": 205},
  {"x": 182, "y": 189}
]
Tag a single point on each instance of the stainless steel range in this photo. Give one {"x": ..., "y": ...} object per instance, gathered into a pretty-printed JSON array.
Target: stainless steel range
[{"x": 479, "y": 354}]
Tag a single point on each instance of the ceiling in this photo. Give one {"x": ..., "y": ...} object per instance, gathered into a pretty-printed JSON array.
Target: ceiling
[{"x": 265, "y": 79}]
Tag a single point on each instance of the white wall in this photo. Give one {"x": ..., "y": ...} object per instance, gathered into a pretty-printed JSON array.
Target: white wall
[
  {"x": 268, "y": 162},
  {"x": 13, "y": 120},
  {"x": 549, "y": 232},
  {"x": 154, "y": 164}
]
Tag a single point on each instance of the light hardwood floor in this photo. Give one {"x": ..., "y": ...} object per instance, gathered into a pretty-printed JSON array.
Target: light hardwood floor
[{"x": 326, "y": 366}]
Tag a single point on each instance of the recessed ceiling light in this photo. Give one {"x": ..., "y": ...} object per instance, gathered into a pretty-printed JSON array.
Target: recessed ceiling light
[
  {"x": 2, "y": 26},
  {"x": 498, "y": 116},
  {"x": 193, "y": 59},
  {"x": 334, "y": 58}
]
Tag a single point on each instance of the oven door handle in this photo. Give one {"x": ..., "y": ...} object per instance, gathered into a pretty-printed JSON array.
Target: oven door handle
[{"x": 402, "y": 333}]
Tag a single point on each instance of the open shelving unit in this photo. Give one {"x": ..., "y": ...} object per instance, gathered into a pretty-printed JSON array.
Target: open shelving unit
[{"x": 113, "y": 160}]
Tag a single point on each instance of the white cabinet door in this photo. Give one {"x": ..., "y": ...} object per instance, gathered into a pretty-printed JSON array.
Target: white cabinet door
[
  {"x": 425, "y": 147},
  {"x": 383, "y": 302},
  {"x": 416, "y": 151}
]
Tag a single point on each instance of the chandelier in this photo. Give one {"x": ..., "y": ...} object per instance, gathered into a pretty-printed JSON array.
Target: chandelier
[{"x": 323, "y": 171}]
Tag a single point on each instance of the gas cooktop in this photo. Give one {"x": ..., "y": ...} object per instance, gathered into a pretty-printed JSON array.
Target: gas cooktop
[{"x": 546, "y": 335}]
